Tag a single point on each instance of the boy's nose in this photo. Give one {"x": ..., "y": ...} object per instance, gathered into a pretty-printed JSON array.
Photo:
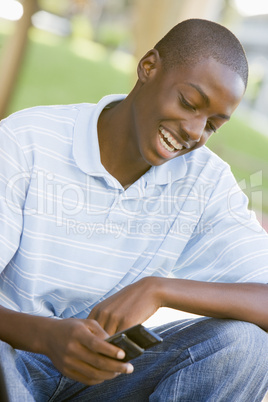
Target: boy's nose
[{"x": 194, "y": 128}]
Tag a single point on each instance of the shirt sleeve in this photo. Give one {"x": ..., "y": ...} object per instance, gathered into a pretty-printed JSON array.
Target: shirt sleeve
[
  {"x": 14, "y": 181},
  {"x": 228, "y": 243}
]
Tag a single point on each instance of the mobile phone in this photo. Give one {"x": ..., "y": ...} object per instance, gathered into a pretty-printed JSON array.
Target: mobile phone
[
  {"x": 135, "y": 340},
  {"x": 130, "y": 348}
]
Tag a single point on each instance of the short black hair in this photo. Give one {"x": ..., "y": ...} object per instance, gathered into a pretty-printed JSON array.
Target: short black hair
[{"x": 194, "y": 40}]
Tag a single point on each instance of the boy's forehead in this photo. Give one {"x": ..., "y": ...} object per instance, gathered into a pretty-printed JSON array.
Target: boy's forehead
[{"x": 206, "y": 70}]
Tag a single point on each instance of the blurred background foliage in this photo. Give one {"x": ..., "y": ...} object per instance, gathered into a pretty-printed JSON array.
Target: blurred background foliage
[{"x": 79, "y": 50}]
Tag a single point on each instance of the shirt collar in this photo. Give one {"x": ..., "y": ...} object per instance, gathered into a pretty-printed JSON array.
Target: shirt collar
[
  {"x": 86, "y": 150},
  {"x": 171, "y": 171}
]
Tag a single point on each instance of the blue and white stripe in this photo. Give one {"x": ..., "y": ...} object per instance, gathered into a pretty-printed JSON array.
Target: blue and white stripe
[{"x": 70, "y": 235}]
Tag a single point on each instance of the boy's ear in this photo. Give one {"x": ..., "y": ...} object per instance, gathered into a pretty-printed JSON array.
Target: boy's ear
[{"x": 148, "y": 65}]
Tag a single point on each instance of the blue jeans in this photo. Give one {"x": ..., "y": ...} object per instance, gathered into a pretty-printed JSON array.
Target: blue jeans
[{"x": 202, "y": 359}]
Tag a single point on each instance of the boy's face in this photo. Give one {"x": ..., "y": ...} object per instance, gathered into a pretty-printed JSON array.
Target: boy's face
[{"x": 176, "y": 111}]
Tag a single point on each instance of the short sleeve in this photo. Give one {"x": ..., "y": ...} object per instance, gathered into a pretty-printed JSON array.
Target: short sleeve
[{"x": 228, "y": 243}]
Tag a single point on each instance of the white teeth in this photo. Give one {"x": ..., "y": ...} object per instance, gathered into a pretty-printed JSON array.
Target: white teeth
[
  {"x": 165, "y": 145},
  {"x": 170, "y": 139}
]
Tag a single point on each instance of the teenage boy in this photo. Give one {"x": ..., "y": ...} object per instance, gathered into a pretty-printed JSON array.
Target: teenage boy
[{"x": 113, "y": 210}]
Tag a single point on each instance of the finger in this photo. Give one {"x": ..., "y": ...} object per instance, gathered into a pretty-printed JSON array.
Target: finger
[
  {"x": 110, "y": 322},
  {"x": 95, "y": 312},
  {"x": 123, "y": 325},
  {"x": 97, "y": 345},
  {"x": 96, "y": 328},
  {"x": 89, "y": 377},
  {"x": 106, "y": 364},
  {"x": 99, "y": 369},
  {"x": 111, "y": 325},
  {"x": 101, "y": 316},
  {"x": 115, "y": 324}
]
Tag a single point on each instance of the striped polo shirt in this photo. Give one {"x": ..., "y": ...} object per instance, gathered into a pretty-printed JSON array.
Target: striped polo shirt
[{"x": 71, "y": 235}]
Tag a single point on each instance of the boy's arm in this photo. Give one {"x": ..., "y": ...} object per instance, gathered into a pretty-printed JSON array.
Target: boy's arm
[
  {"x": 76, "y": 347},
  {"x": 240, "y": 301},
  {"x": 136, "y": 303}
]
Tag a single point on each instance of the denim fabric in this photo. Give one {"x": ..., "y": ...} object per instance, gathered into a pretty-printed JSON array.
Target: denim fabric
[{"x": 199, "y": 360}]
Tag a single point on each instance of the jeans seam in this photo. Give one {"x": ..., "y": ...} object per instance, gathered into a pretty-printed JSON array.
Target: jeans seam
[
  {"x": 58, "y": 389},
  {"x": 190, "y": 356}
]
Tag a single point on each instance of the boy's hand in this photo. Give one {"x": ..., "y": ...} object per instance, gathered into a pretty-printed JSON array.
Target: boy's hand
[
  {"x": 78, "y": 350},
  {"x": 130, "y": 306}
]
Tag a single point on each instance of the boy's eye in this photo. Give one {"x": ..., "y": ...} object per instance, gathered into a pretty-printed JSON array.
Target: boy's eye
[
  {"x": 186, "y": 104},
  {"x": 211, "y": 127}
]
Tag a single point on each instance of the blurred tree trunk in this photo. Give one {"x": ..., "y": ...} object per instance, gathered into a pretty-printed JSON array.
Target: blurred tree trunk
[
  {"x": 154, "y": 18},
  {"x": 12, "y": 55}
]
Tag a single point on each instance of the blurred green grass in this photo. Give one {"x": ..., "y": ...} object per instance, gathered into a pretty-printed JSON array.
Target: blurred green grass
[
  {"x": 246, "y": 151},
  {"x": 60, "y": 70}
]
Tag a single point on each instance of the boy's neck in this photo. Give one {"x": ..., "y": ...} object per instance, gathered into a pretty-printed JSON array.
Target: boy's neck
[{"x": 118, "y": 152}]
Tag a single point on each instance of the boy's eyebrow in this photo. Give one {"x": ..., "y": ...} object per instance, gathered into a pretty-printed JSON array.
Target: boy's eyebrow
[
  {"x": 206, "y": 99},
  {"x": 201, "y": 92}
]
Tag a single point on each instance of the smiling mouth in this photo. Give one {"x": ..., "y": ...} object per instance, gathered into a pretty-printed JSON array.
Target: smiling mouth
[{"x": 168, "y": 141}]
